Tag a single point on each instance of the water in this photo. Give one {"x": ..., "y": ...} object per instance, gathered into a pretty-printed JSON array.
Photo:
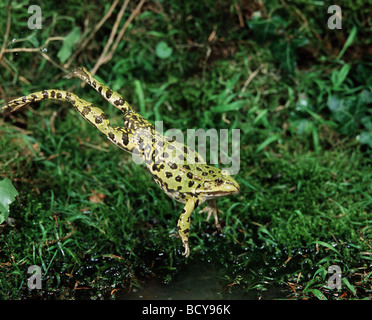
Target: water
[{"x": 200, "y": 281}]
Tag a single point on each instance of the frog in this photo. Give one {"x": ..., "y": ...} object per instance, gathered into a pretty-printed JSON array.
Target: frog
[{"x": 178, "y": 170}]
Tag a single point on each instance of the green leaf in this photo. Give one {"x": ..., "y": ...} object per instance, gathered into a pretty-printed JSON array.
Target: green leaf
[
  {"x": 267, "y": 142},
  {"x": 349, "y": 285},
  {"x": 7, "y": 196},
  {"x": 327, "y": 245},
  {"x": 163, "y": 51},
  {"x": 340, "y": 108},
  {"x": 236, "y": 105},
  {"x": 317, "y": 294},
  {"x": 348, "y": 42},
  {"x": 366, "y": 138},
  {"x": 338, "y": 77},
  {"x": 68, "y": 44}
]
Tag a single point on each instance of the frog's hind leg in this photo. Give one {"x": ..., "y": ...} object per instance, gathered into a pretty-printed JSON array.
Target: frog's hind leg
[
  {"x": 111, "y": 96},
  {"x": 131, "y": 119},
  {"x": 184, "y": 222},
  {"x": 86, "y": 109}
]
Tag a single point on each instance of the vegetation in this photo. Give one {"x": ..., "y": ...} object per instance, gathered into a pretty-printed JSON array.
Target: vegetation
[{"x": 95, "y": 222}]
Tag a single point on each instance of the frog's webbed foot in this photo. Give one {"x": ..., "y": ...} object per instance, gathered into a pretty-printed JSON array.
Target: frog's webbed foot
[
  {"x": 211, "y": 208},
  {"x": 185, "y": 243},
  {"x": 80, "y": 72}
]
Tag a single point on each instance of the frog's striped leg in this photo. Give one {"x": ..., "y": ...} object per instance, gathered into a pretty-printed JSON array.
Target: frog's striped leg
[
  {"x": 87, "y": 110},
  {"x": 184, "y": 222},
  {"x": 132, "y": 120},
  {"x": 111, "y": 96}
]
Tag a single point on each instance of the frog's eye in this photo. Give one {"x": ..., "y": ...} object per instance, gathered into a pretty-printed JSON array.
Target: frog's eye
[{"x": 206, "y": 185}]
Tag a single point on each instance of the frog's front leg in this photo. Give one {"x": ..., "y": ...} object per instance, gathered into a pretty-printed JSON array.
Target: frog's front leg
[
  {"x": 184, "y": 222},
  {"x": 211, "y": 208}
]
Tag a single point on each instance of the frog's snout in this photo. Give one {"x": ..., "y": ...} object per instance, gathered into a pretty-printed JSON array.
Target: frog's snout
[{"x": 232, "y": 187}]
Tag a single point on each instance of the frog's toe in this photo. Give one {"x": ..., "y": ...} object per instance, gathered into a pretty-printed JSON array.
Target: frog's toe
[
  {"x": 175, "y": 235},
  {"x": 187, "y": 249},
  {"x": 209, "y": 210}
]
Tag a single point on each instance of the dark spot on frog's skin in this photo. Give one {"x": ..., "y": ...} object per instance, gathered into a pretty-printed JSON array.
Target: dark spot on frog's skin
[
  {"x": 156, "y": 153},
  {"x": 98, "y": 119},
  {"x": 94, "y": 84},
  {"x": 161, "y": 167},
  {"x": 59, "y": 96},
  {"x": 53, "y": 93},
  {"x": 166, "y": 186},
  {"x": 24, "y": 99},
  {"x": 158, "y": 179},
  {"x": 185, "y": 150},
  {"x": 179, "y": 188},
  {"x": 186, "y": 231},
  {"x": 85, "y": 111},
  {"x": 204, "y": 174},
  {"x": 189, "y": 175},
  {"x": 153, "y": 156},
  {"x": 172, "y": 165},
  {"x": 45, "y": 94},
  {"x": 165, "y": 155},
  {"x": 183, "y": 210},
  {"x": 34, "y": 97},
  {"x": 182, "y": 158},
  {"x": 178, "y": 179},
  {"x": 196, "y": 159},
  {"x": 191, "y": 183},
  {"x": 119, "y": 102},
  {"x": 211, "y": 171},
  {"x": 187, "y": 167},
  {"x": 100, "y": 90},
  {"x": 111, "y": 135},
  {"x": 199, "y": 185},
  {"x": 196, "y": 203},
  {"x": 197, "y": 168},
  {"x": 168, "y": 174},
  {"x": 125, "y": 138},
  {"x": 108, "y": 94},
  {"x": 218, "y": 181}
]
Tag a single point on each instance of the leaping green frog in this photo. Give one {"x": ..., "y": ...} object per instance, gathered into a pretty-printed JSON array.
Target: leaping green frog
[{"x": 189, "y": 182}]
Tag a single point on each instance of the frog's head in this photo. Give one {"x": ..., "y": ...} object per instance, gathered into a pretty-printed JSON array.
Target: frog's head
[{"x": 218, "y": 184}]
